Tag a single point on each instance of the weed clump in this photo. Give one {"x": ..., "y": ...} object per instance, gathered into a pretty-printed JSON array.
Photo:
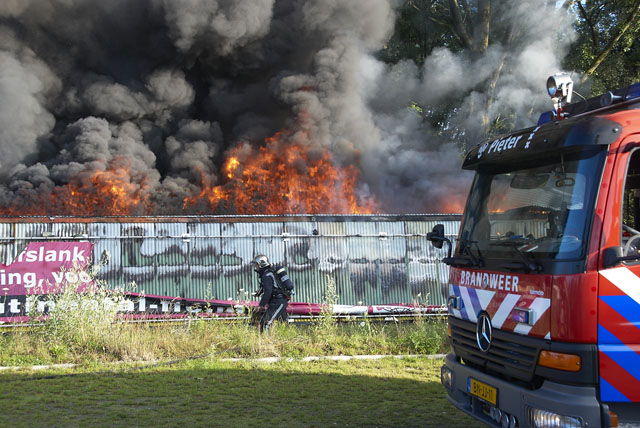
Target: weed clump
[{"x": 80, "y": 314}]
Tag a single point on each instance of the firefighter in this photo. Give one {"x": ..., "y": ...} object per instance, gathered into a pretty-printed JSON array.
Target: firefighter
[{"x": 273, "y": 301}]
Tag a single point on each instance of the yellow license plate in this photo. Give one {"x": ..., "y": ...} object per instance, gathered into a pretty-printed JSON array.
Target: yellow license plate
[{"x": 483, "y": 391}]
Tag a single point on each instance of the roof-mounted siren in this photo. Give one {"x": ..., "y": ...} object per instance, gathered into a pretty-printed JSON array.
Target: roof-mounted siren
[
  {"x": 560, "y": 89},
  {"x": 609, "y": 98},
  {"x": 631, "y": 92}
]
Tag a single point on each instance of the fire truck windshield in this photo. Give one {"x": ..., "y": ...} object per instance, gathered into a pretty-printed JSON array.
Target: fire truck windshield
[{"x": 542, "y": 212}]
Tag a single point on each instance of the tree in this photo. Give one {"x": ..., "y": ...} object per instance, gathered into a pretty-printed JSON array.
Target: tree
[
  {"x": 468, "y": 28},
  {"x": 607, "y": 49},
  {"x": 423, "y": 25},
  {"x": 420, "y": 27}
]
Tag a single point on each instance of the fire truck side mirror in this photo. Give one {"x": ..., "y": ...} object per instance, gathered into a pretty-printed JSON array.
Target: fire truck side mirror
[
  {"x": 611, "y": 256},
  {"x": 437, "y": 238}
]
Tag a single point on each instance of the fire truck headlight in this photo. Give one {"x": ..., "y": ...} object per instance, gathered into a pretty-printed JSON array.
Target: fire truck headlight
[
  {"x": 446, "y": 377},
  {"x": 546, "y": 419},
  {"x": 560, "y": 85}
]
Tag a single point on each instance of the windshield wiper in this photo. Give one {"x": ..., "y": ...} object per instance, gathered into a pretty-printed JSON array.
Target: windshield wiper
[
  {"x": 528, "y": 262},
  {"x": 470, "y": 259},
  {"x": 466, "y": 248}
]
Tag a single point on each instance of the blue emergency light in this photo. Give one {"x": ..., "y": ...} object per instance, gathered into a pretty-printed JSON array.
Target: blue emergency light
[
  {"x": 523, "y": 316},
  {"x": 633, "y": 91},
  {"x": 546, "y": 117}
]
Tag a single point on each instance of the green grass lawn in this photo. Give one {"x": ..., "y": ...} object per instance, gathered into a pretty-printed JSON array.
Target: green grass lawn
[
  {"x": 217, "y": 393},
  {"x": 107, "y": 389}
]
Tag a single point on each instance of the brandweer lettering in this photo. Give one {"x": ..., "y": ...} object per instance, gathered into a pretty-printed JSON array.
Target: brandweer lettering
[{"x": 492, "y": 280}]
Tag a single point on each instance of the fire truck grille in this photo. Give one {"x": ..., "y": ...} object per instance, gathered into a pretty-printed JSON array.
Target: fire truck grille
[{"x": 510, "y": 355}]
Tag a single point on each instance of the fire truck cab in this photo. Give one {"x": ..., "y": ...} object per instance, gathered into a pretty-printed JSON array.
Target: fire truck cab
[{"x": 544, "y": 283}]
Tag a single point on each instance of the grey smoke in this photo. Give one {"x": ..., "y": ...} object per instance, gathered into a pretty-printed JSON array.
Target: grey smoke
[
  {"x": 161, "y": 90},
  {"x": 221, "y": 25},
  {"x": 26, "y": 86}
]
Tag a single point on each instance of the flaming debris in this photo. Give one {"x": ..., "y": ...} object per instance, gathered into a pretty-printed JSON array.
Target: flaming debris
[{"x": 283, "y": 178}]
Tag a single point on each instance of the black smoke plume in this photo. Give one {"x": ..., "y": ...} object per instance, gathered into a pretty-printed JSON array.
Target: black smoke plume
[{"x": 159, "y": 91}]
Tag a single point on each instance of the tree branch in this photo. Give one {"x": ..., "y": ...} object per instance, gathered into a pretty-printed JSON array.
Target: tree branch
[
  {"x": 465, "y": 7},
  {"x": 592, "y": 30},
  {"x": 491, "y": 84},
  {"x": 623, "y": 28},
  {"x": 482, "y": 27},
  {"x": 458, "y": 24}
]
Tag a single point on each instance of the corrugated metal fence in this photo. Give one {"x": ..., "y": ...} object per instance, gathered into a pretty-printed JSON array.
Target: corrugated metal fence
[{"x": 373, "y": 259}]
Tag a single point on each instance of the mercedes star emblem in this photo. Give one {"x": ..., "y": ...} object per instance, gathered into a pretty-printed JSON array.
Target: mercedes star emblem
[{"x": 483, "y": 332}]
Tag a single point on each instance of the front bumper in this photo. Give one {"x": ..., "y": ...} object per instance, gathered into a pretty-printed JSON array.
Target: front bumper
[{"x": 514, "y": 400}]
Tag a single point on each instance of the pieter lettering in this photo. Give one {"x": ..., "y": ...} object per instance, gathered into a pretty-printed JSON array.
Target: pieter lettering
[{"x": 506, "y": 143}]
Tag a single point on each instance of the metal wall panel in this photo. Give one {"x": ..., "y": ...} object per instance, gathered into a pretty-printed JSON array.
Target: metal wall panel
[
  {"x": 107, "y": 246},
  {"x": 7, "y": 246},
  {"x": 428, "y": 276},
  {"x": 371, "y": 260},
  {"x": 204, "y": 258},
  {"x": 326, "y": 254},
  {"x": 237, "y": 250},
  {"x": 299, "y": 256}
]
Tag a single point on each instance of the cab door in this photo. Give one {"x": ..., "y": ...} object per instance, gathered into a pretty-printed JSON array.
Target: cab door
[{"x": 619, "y": 283}]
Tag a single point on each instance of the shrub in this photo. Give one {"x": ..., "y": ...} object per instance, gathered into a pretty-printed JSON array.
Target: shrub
[
  {"x": 426, "y": 337},
  {"x": 81, "y": 313}
]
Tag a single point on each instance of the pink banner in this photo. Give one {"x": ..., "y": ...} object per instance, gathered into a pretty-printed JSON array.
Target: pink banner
[{"x": 43, "y": 266}]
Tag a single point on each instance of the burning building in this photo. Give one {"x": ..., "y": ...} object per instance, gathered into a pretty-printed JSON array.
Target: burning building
[
  {"x": 371, "y": 259},
  {"x": 181, "y": 137}
]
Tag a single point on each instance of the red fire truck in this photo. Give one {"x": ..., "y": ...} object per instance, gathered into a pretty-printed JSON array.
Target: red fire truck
[{"x": 544, "y": 283}]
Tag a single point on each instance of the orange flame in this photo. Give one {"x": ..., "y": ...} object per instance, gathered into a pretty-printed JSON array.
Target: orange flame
[
  {"x": 284, "y": 179},
  {"x": 90, "y": 193},
  {"x": 454, "y": 204},
  {"x": 274, "y": 179},
  {"x": 110, "y": 192},
  {"x": 231, "y": 165}
]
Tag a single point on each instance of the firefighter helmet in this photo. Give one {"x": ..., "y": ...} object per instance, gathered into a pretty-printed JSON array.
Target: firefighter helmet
[{"x": 260, "y": 261}]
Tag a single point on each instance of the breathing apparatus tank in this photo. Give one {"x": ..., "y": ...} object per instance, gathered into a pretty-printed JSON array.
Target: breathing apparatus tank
[{"x": 285, "y": 281}]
